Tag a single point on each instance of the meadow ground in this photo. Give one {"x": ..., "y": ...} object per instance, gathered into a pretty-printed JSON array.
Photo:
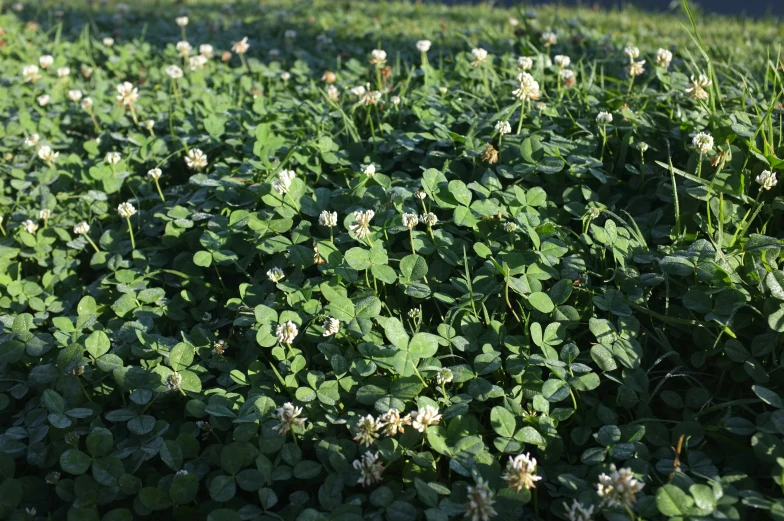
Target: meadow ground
[{"x": 372, "y": 260}]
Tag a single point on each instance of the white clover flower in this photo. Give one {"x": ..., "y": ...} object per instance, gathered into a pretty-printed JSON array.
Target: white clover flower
[
  {"x": 290, "y": 34},
  {"x": 529, "y": 88},
  {"x": 631, "y": 52},
  {"x": 75, "y": 95},
  {"x": 149, "y": 124},
  {"x": 181, "y": 21},
  {"x": 663, "y": 58},
  {"x": 113, "y": 158},
  {"x": 282, "y": 182},
  {"x": 525, "y": 63},
  {"x": 30, "y": 226},
  {"x": 703, "y": 142},
  {"x": 154, "y": 173},
  {"x": 127, "y": 94},
  {"x": 444, "y": 376},
  {"x": 420, "y": 194},
  {"x": 395, "y": 100},
  {"x": 275, "y": 274},
  {"x": 30, "y": 73},
  {"x": 63, "y": 72},
  {"x": 108, "y": 42},
  {"x": 503, "y": 127},
  {"x": 123, "y": 9},
  {"x": 370, "y": 469},
  {"x": 567, "y": 76},
  {"x": 287, "y": 332},
  {"x": 43, "y": 100},
  {"x": 86, "y": 70},
  {"x": 331, "y": 326},
  {"x": 635, "y": 68},
  {"x": 371, "y": 97},
  {"x": 394, "y": 422},
  {"x": 174, "y": 72},
  {"x": 362, "y": 218},
  {"x": 358, "y": 90},
  {"x": 288, "y": 416},
  {"x": 423, "y": 45},
  {"x": 45, "y": 61},
  {"x": 562, "y": 61},
  {"x": 619, "y": 487},
  {"x": 429, "y": 218},
  {"x": 697, "y": 88},
  {"x": 577, "y": 512},
  {"x": 206, "y": 50},
  {"x": 328, "y": 219},
  {"x": 126, "y": 210},
  {"x": 285, "y": 75},
  {"x": 766, "y": 179},
  {"x": 510, "y": 227},
  {"x": 196, "y": 159},
  {"x": 410, "y": 220},
  {"x": 367, "y": 430},
  {"x": 87, "y": 104},
  {"x": 32, "y": 140},
  {"x": 369, "y": 170},
  {"x": 18, "y": 7},
  {"x": 52, "y": 478},
  {"x": 520, "y": 472},
  {"x": 184, "y": 48},
  {"x": 197, "y": 62},
  {"x": 81, "y": 228},
  {"x": 45, "y": 214},
  {"x": 47, "y": 154},
  {"x": 480, "y": 56},
  {"x": 514, "y": 22},
  {"x": 378, "y": 56},
  {"x": 241, "y": 47},
  {"x": 415, "y": 313},
  {"x": 604, "y": 118},
  {"x": 424, "y": 417},
  {"x": 333, "y": 93},
  {"x": 480, "y": 502},
  {"x": 180, "y": 474},
  {"x": 220, "y": 346},
  {"x": 549, "y": 38},
  {"x": 173, "y": 381}
]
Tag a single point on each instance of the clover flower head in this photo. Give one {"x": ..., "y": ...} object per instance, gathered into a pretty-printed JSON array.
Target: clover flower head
[
  {"x": 113, "y": 158},
  {"x": 520, "y": 472},
  {"x": 368, "y": 429},
  {"x": 562, "y": 61},
  {"x": 480, "y": 502},
  {"x": 196, "y": 159},
  {"x": 394, "y": 422},
  {"x": 30, "y": 73},
  {"x": 567, "y": 76},
  {"x": 43, "y": 100},
  {"x": 285, "y": 75},
  {"x": 331, "y": 326},
  {"x": 503, "y": 127},
  {"x": 370, "y": 97},
  {"x": 577, "y": 512},
  {"x": 328, "y": 219},
  {"x": 86, "y": 70},
  {"x": 30, "y": 226},
  {"x": 360, "y": 228},
  {"x": 75, "y": 95},
  {"x": 127, "y": 94},
  {"x": 81, "y": 228},
  {"x": 619, "y": 487},
  {"x": 219, "y": 346},
  {"x": 378, "y": 56},
  {"x": 126, "y": 210},
  {"x": 149, "y": 124},
  {"x": 410, "y": 220},
  {"x": 604, "y": 118},
  {"x": 329, "y": 77},
  {"x": 525, "y": 63},
  {"x": 275, "y": 274},
  {"x": 766, "y": 179},
  {"x": 635, "y": 68},
  {"x": 174, "y": 72},
  {"x": 631, "y": 52},
  {"x": 359, "y": 90},
  {"x": 444, "y": 376},
  {"x": 181, "y": 21},
  {"x": 288, "y": 416},
  {"x": 46, "y": 61},
  {"x": 425, "y": 416},
  {"x": 44, "y": 214},
  {"x": 529, "y": 88},
  {"x": 46, "y": 154},
  {"x": 395, "y": 100},
  {"x": 290, "y": 34},
  {"x": 282, "y": 182},
  {"x": 420, "y": 194},
  {"x": 108, "y": 41},
  {"x": 663, "y": 58},
  {"x": 154, "y": 173},
  {"x": 241, "y": 47},
  {"x": 415, "y": 313},
  {"x": 173, "y": 381},
  {"x": 32, "y": 140},
  {"x": 423, "y": 45},
  {"x": 510, "y": 227},
  {"x": 370, "y": 469},
  {"x": 514, "y": 22},
  {"x": 53, "y": 478},
  {"x": 206, "y": 50},
  {"x": 287, "y": 332},
  {"x": 697, "y": 88},
  {"x": 549, "y": 38},
  {"x": 480, "y": 56},
  {"x": 184, "y": 48},
  {"x": 63, "y": 72},
  {"x": 703, "y": 142},
  {"x": 333, "y": 93},
  {"x": 429, "y": 218}
]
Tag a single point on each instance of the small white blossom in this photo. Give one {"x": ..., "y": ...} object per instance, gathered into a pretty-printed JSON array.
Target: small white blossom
[
  {"x": 108, "y": 42},
  {"x": 241, "y": 47},
  {"x": 285, "y": 75},
  {"x": 45, "y": 61},
  {"x": 697, "y": 88},
  {"x": 444, "y": 376},
  {"x": 288, "y": 416},
  {"x": 32, "y": 140},
  {"x": 604, "y": 118},
  {"x": 290, "y": 34},
  {"x": 126, "y": 210},
  {"x": 619, "y": 487},
  {"x": 410, "y": 220},
  {"x": 520, "y": 472},
  {"x": 394, "y": 422},
  {"x": 331, "y": 326},
  {"x": 206, "y": 50},
  {"x": 282, "y": 182},
  {"x": 47, "y": 154},
  {"x": 75, "y": 95},
  {"x": 766, "y": 179},
  {"x": 577, "y": 512},
  {"x": 529, "y": 88},
  {"x": 358, "y": 90},
  {"x": 87, "y": 104},
  {"x": 113, "y": 158},
  {"x": 631, "y": 52},
  {"x": 30, "y": 226},
  {"x": 424, "y": 417},
  {"x": 45, "y": 214},
  {"x": 514, "y": 22},
  {"x": 181, "y": 21},
  {"x": 287, "y": 332},
  {"x": 30, "y": 73},
  {"x": 196, "y": 159},
  {"x": 480, "y": 502},
  {"x": 420, "y": 194},
  {"x": 333, "y": 93},
  {"x": 635, "y": 68},
  {"x": 154, "y": 173},
  {"x": 429, "y": 218},
  {"x": 423, "y": 45},
  {"x": 663, "y": 58},
  {"x": 378, "y": 56},
  {"x": 703, "y": 142},
  {"x": 275, "y": 274},
  {"x": 63, "y": 72},
  {"x": 525, "y": 63},
  {"x": 549, "y": 38},
  {"x": 86, "y": 70},
  {"x": 370, "y": 469},
  {"x": 43, "y": 100},
  {"x": 369, "y": 170},
  {"x": 53, "y": 478},
  {"x": 480, "y": 56},
  {"x": 367, "y": 430},
  {"x": 81, "y": 228},
  {"x": 567, "y": 76},
  {"x": 173, "y": 381},
  {"x": 127, "y": 94},
  {"x": 184, "y": 48},
  {"x": 174, "y": 72},
  {"x": 562, "y": 61},
  {"x": 510, "y": 227},
  {"x": 328, "y": 219},
  {"x": 180, "y": 474},
  {"x": 362, "y": 218},
  {"x": 395, "y": 100},
  {"x": 503, "y": 127}
]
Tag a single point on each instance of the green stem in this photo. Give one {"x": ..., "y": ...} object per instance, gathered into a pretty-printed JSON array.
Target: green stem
[
  {"x": 91, "y": 242},
  {"x": 130, "y": 232},
  {"x": 163, "y": 199}
]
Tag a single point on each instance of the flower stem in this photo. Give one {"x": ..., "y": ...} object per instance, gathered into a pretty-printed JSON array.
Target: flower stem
[
  {"x": 92, "y": 243},
  {"x": 411, "y": 236},
  {"x": 130, "y": 232},
  {"x": 163, "y": 199}
]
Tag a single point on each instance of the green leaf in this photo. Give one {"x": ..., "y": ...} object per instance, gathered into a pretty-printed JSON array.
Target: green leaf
[
  {"x": 99, "y": 442},
  {"x": 541, "y": 302},
  {"x": 222, "y": 488},
  {"x": 413, "y": 267},
  {"x": 424, "y": 345},
  {"x": 672, "y": 501},
  {"x": 75, "y": 462},
  {"x": 180, "y": 357},
  {"x": 460, "y": 192},
  {"x": 502, "y": 421},
  {"x": 97, "y": 344},
  {"x": 202, "y": 258}
]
